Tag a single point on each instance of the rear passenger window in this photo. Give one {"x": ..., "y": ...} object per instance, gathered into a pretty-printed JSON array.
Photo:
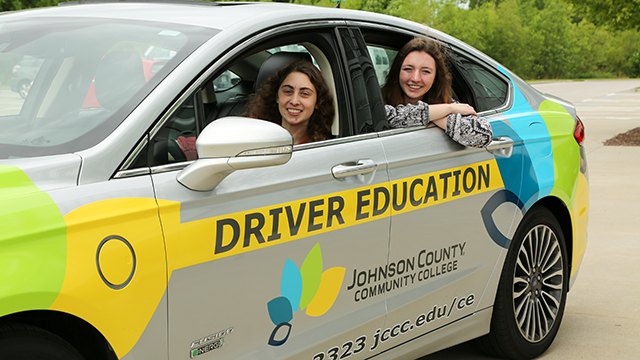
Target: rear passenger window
[
  {"x": 488, "y": 90},
  {"x": 380, "y": 57}
]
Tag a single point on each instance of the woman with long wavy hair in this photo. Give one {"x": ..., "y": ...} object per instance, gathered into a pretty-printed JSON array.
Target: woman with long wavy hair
[
  {"x": 418, "y": 91},
  {"x": 298, "y": 98}
]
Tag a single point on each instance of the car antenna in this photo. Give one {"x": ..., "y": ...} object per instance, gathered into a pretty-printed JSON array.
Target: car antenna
[{"x": 338, "y": 3}]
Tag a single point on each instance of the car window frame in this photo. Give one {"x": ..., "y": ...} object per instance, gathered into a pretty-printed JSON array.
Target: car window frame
[
  {"x": 364, "y": 64},
  {"x": 250, "y": 45},
  {"x": 385, "y": 36},
  {"x": 456, "y": 66}
]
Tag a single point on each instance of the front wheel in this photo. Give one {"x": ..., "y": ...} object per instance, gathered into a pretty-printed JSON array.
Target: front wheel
[
  {"x": 24, "y": 342},
  {"x": 532, "y": 291}
]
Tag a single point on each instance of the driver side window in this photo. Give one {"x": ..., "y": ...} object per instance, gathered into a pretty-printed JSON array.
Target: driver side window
[
  {"x": 225, "y": 95},
  {"x": 175, "y": 141}
]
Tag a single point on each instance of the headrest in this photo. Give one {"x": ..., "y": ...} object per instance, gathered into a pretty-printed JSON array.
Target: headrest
[
  {"x": 276, "y": 62},
  {"x": 118, "y": 77}
]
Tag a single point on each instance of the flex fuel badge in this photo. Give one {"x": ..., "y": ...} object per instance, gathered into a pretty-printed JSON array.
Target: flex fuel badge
[{"x": 208, "y": 343}]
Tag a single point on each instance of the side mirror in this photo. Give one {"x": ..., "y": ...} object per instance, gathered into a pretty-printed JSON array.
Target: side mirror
[{"x": 235, "y": 143}]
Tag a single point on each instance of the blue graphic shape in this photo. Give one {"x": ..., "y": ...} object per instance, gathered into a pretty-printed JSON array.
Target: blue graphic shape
[
  {"x": 291, "y": 284},
  {"x": 280, "y": 310},
  {"x": 537, "y": 143},
  {"x": 510, "y": 168},
  {"x": 272, "y": 339},
  {"x": 492, "y": 204}
]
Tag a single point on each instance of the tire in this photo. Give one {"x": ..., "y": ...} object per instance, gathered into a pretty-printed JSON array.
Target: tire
[
  {"x": 528, "y": 309},
  {"x": 23, "y": 88},
  {"x": 24, "y": 342}
]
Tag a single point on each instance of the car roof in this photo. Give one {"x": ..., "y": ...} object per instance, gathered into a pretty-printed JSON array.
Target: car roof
[
  {"x": 216, "y": 15},
  {"x": 240, "y": 17}
]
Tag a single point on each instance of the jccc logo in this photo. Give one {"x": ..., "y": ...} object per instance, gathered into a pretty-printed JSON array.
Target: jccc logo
[{"x": 307, "y": 287}]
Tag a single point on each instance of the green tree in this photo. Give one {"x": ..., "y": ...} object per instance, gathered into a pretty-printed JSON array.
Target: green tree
[
  {"x": 10, "y": 5},
  {"x": 504, "y": 32},
  {"x": 617, "y": 13},
  {"x": 379, "y": 6},
  {"x": 556, "y": 57},
  {"x": 635, "y": 64},
  {"x": 419, "y": 11},
  {"x": 475, "y": 4},
  {"x": 591, "y": 47}
]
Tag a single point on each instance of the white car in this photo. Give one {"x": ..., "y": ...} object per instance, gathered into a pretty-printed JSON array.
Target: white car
[{"x": 124, "y": 237}]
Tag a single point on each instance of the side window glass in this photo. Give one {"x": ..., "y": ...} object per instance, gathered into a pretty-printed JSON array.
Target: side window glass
[
  {"x": 369, "y": 107},
  {"x": 176, "y": 140},
  {"x": 226, "y": 81},
  {"x": 489, "y": 90},
  {"x": 382, "y": 63},
  {"x": 231, "y": 91},
  {"x": 23, "y": 74}
]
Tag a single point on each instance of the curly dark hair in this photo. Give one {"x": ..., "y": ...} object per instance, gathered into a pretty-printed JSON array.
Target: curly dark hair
[
  {"x": 440, "y": 91},
  {"x": 264, "y": 106}
]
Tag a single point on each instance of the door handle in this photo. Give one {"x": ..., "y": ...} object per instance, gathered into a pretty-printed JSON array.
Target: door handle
[
  {"x": 361, "y": 167},
  {"x": 501, "y": 146}
]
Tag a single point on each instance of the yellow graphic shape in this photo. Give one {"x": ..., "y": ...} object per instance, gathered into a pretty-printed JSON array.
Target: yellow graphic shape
[
  {"x": 330, "y": 285},
  {"x": 121, "y": 315},
  {"x": 580, "y": 215},
  {"x": 116, "y": 261},
  {"x": 227, "y": 235}
]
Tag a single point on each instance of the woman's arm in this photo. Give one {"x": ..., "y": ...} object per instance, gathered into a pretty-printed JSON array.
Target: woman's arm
[
  {"x": 440, "y": 111},
  {"x": 464, "y": 127},
  {"x": 417, "y": 115},
  {"x": 469, "y": 130},
  {"x": 402, "y": 116}
]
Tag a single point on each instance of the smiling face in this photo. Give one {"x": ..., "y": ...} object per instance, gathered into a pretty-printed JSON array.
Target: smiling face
[
  {"x": 296, "y": 100},
  {"x": 417, "y": 74}
]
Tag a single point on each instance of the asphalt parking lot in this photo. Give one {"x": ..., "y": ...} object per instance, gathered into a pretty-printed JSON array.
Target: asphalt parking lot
[{"x": 602, "y": 317}]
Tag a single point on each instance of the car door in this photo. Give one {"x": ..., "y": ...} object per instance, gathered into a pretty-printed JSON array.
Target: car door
[
  {"x": 263, "y": 263},
  {"x": 448, "y": 206}
]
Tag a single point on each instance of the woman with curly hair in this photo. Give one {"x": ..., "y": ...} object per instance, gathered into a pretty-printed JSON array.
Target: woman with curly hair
[
  {"x": 418, "y": 91},
  {"x": 298, "y": 98}
]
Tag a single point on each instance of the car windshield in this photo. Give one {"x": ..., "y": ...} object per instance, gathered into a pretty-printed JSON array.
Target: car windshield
[{"x": 67, "y": 83}]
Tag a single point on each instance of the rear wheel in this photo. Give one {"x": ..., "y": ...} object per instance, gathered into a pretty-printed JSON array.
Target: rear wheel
[
  {"x": 24, "y": 342},
  {"x": 532, "y": 292}
]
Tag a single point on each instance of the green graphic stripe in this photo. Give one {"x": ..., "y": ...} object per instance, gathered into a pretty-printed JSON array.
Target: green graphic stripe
[
  {"x": 33, "y": 244},
  {"x": 566, "y": 152}
]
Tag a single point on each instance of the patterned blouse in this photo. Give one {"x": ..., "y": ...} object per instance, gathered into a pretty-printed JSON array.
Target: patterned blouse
[{"x": 468, "y": 130}]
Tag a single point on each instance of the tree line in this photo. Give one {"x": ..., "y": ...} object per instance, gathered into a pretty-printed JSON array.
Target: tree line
[{"x": 537, "y": 39}]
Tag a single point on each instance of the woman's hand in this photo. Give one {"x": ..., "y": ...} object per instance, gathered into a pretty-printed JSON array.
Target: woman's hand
[
  {"x": 462, "y": 109},
  {"x": 439, "y": 111}
]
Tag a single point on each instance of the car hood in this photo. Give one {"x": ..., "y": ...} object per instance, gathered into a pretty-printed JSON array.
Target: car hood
[{"x": 46, "y": 173}]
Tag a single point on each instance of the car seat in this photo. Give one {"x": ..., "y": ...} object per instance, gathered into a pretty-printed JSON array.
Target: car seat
[
  {"x": 236, "y": 106},
  {"x": 276, "y": 62}
]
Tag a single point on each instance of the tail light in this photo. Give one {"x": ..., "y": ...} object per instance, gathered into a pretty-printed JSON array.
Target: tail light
[{"x": 578, "y": 132}]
